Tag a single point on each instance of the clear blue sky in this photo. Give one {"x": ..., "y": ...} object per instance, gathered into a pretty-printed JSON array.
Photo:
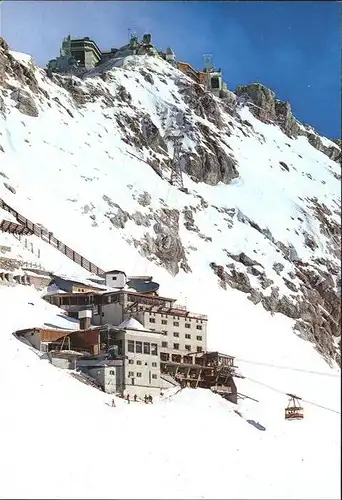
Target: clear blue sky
[{"x": 292, "y": 47}]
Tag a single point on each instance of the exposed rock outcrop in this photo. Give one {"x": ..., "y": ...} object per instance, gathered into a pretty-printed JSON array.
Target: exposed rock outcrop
[
  {"x": 142, "y": 219},
  {"x": 10, "y": 188},
  {"x": 233, "y": 278},
  {"x": 189, "y": 220},
  {"x": 166, "y": 246},
  {"x": 244, "y": 259},
  {"x": 119, "y": 217},
  {"x": 152, "y": 135},
  {"x": 25, "y": 103},
  {"x": 316, "y": 309},
  {"x": 144, "y": 199},
  {"x": 264, "y": 105},
  {"x": 210, "y": 165},
  {"x": 9, "y": 66}
]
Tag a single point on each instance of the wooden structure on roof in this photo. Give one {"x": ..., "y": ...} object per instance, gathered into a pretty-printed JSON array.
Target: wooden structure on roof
[
  {"x": 188, "y": 70},
  {"x": 99, "y": 298},
  {"x": 209, "y": 370},
  {"x": 54, "y": 339},
  {"x": 203, "y": 77}
]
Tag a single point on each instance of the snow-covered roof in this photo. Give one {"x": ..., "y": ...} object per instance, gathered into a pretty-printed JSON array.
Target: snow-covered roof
[
  {"x": 81, "y": 281},
  {"x": 133, "y": 324}
]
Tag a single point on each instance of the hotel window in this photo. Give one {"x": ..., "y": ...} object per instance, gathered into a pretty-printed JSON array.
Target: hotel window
[
  {"x": 131, "y": 361},
  {"x": 146, "y": 348},
  {"x": 175, "y": 334},
  {"x": 138, "y": 347},
  {"x": 199, "y": 349},
  {"x": 199, "y": 327},
  {"x": 176, "y": 346},
  {"x": 152, "y": 320},
  {"x": 164, "y": 344},
  {"x": 138, "y": 362},
  {"x": 198, "y": 337},
  {"x": 175, "y": 323},
  {"x": 164, "y": 322},
  {"x": 131, "y": 374},
  {"x": 188, "y": 347},
  {"x": 187, "y": 325},
  {"x": 138, "y": 374},
  {"x": 154, "y": 365},
  {"x": 164, "y": 332},
  {"x": 154, "y": 349},
  {"x": 130, "y": 345},
  {"x": 111, "y": 372},
  {"x": 187, "y": 336},
  {"x": 154, "y": 375}
]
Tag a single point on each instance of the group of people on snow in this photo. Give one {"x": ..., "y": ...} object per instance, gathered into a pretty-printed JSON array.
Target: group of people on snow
[{"x": 147, "y": 399}]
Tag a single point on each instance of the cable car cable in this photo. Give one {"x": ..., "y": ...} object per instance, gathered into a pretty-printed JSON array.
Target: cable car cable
[
  {"x": 286, "y": 394},
  {"x": 288, "y": 368}
]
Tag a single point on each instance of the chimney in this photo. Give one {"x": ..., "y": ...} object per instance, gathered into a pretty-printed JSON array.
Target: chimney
[{"x": 85, "y": 319}]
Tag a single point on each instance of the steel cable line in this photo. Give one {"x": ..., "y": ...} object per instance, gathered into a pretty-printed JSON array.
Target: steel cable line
[
  {"x": 288, "y": 368},
  {"x": 286, "y": 394}
]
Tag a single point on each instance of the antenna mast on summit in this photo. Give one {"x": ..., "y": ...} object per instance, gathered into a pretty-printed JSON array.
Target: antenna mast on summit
[{"x": 208, "y": 67}]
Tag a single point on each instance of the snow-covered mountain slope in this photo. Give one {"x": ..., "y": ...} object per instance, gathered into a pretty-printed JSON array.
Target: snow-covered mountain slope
[
  {"x": 188, "y": 445},
  {"x": 254, "y": 244},
  {"x": 90, "y": 159}
]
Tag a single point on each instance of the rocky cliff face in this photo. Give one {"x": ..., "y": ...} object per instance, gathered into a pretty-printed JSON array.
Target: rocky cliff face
[
  {"x": 264, "y": 105},
  {"x": 263, "y": 208}
]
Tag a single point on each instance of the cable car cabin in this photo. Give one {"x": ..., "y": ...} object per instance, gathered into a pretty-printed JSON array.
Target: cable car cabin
[{"x": 294, "y": 410}]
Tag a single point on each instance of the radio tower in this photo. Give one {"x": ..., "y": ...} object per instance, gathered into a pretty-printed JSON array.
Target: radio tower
[{"x": 208, "y": 67}]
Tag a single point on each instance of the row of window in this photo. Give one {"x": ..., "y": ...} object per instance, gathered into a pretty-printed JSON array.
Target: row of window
[
  {"x": 139, "y": 375},
  {"x": 176, "y": 317},
  {"x": 142, "y": 347},
  {"x": 139, "y": 362},
  {"x": 187, "y": 336},
  {"x": 175, "y": 323},
  {"x": 176, "y": 334},
  {"x": 176, "y": 347}
]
